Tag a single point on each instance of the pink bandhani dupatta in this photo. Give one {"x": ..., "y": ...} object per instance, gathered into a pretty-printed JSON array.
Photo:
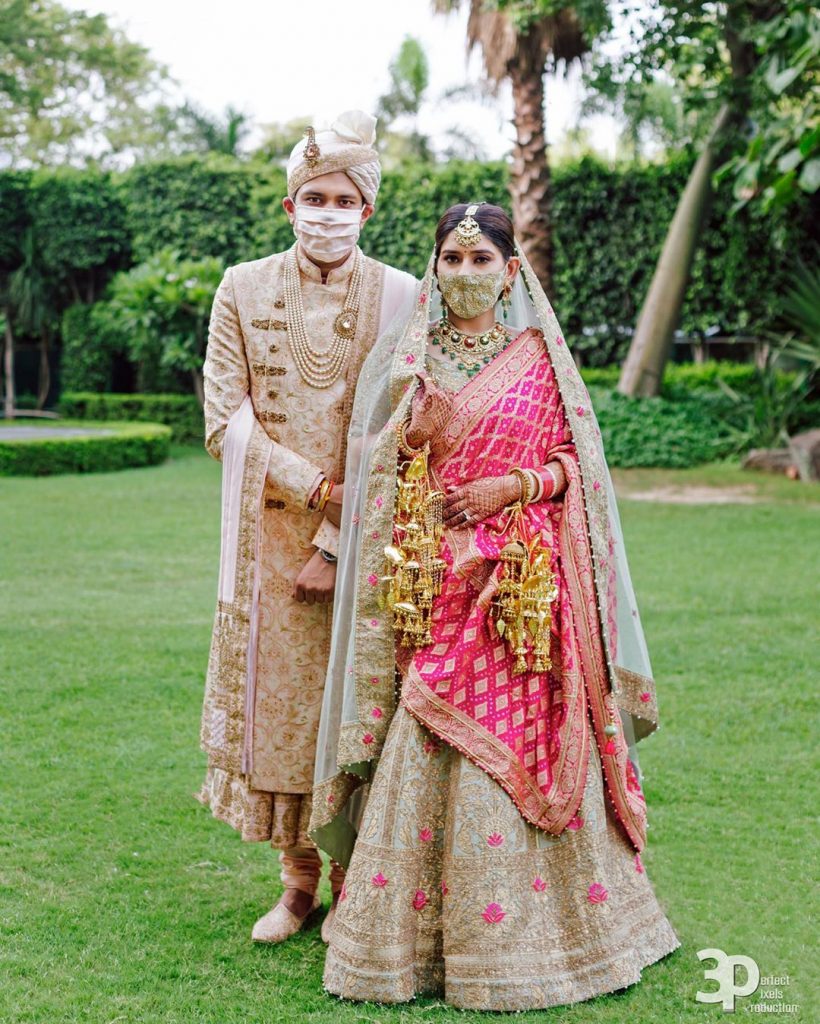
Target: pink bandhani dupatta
[{"x": 531, "y": 732}]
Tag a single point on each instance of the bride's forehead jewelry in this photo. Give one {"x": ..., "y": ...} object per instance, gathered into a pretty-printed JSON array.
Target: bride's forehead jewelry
[
  {"x": 311, "y": 152},
  {"x": 468, "y": 232}
]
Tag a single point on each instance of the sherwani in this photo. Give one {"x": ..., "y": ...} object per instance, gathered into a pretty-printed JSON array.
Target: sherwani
[{"x": 269, "y": 653}]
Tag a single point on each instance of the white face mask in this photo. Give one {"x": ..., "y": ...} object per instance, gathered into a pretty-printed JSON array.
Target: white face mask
[{"x": 327, "y": 235}]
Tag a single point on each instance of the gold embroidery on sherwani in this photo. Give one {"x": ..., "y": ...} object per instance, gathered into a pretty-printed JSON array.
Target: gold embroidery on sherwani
[
  {"x": 293, "y": 646},
  {"x": 448, "y": 879}
]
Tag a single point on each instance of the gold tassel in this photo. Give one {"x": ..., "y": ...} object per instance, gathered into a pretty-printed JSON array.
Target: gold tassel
[{"x": 415, "y": 568}]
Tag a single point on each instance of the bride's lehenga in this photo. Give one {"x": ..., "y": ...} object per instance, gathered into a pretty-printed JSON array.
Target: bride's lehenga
[{"x": 451, "y": 891}]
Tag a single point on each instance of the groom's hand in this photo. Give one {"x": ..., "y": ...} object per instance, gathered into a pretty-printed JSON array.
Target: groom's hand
[{"x": 316, "y": 582}]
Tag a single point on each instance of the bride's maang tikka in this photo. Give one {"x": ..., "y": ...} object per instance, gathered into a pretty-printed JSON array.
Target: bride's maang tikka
[{"x": 468, "y": 231}]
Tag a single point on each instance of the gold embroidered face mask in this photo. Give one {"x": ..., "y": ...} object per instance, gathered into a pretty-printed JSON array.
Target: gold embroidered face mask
[{"x": 470, "y": 295}]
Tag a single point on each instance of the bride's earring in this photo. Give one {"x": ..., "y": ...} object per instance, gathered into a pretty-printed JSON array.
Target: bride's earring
[{"x": 505, "y": 300}]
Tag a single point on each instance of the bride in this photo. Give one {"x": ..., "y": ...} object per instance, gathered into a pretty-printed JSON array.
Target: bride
[{"x": 489, "y": 678}]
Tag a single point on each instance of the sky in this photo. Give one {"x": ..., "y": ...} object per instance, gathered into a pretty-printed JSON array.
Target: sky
[{"x": 314, "y": 59}]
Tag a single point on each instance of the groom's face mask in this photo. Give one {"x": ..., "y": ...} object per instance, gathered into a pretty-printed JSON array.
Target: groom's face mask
[
  {"x": 470, "y": 295},
  {"x": 327, "y": 234}
]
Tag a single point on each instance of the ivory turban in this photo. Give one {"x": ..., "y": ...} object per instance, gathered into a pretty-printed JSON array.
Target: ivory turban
[{"x": 348, "y": 145}]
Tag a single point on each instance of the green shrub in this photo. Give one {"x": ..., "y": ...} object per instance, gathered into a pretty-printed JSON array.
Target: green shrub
[
  {"x": 659, "y": 432},
  {"x": 123, "y": 446},
  {"x": 182, "y": 413}
]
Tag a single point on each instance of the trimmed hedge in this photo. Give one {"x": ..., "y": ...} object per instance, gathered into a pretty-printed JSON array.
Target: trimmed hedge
[
  {"x": 182, "y": 413},
  {"x": 123, "y": 446}
]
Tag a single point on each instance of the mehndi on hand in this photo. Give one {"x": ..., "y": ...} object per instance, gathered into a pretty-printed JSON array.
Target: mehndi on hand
[
  {"x": 430, "y": 412},
  {"x": 480, "y": 499}
]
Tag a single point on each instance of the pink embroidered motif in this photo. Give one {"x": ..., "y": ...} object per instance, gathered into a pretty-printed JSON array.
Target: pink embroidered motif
[
  {"x": 646, "y": 696},
  {"x": 356, "y": 519},
  {"x": 377, "y": 712},
  {"x": 343, "y": 892},
  {"x": 575, "y": 823},
  {"x": 539, "y": 884},
  {"x": 596, "y": 485},
  {"x": 379, "y": 880},
  {"x": 368, "y": 738},
  {"x": 331, "y": 799},
  {"x": 580, "y": 410},
  {"x": 372, "y": 579},
  {"x": 610, "y": 747},
  {"x": 420, "y": 900},
  {"x": 410, "y": 359},
  {"x": 639, "y": 864},
  {"x": 374, "y": 623},
  {"x": 379, "y": 501},
  {"x": 493, "y": 913},
  {"x": 495, "y": 840},
  {"x": 422, "y": 298},
  {"x": 444, "y": 889},
  {"x": 374, "y": 680},
  {"x": 430, "y": 747},
  {"x": 425, "y": 834},
  {"x": 559, "y": 340},
  {"x": 597, "y": 893},
  {"x": 380, "y": 467}
]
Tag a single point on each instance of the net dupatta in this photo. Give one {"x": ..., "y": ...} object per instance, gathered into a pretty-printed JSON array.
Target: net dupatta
[{"x": 361, "y": 694}]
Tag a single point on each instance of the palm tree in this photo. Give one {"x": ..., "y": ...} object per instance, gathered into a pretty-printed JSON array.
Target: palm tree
[{"x": 518, "y": 50}]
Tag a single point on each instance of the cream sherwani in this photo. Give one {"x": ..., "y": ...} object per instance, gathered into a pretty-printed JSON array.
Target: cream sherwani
[{"x": 276, "y": 435}]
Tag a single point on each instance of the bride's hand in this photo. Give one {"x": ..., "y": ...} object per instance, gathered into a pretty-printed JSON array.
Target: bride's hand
[
  {"x": 430, "y": 412},
  {"x": 470, "y": 503}
]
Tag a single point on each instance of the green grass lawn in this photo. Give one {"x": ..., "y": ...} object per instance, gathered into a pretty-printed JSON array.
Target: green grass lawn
[{"x": 123, "y": 900}]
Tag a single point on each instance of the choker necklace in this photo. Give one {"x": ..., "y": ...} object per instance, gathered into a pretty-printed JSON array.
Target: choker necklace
[{"x": 472, "y": 350}]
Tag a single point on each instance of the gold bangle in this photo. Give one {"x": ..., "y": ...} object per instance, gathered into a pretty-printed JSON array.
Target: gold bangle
[
  {"x": 526, "y": 485},
  {"x": 325, "y": 497},
  {"x": 404, "y": 445}
]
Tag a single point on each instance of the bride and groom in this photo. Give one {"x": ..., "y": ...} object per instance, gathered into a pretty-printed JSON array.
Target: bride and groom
[{"x": 458, "y": 730}]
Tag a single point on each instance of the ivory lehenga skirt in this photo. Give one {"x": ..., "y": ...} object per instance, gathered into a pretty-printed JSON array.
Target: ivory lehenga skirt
[{"x": 450, "y": 892}]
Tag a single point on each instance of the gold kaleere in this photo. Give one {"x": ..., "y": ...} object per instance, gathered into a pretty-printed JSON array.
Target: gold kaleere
[
  {"x": 415, "y": 568},
  {"x": 521, "y": 607}
]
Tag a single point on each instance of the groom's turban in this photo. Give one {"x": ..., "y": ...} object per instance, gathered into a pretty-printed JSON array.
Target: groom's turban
[{"x": 348, "y": 145}]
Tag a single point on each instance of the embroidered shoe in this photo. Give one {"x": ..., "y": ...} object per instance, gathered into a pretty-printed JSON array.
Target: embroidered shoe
[{"x": 280, "y": 923}]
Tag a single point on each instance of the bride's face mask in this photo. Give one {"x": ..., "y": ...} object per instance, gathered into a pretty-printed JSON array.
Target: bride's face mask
[
  {"x": 327, "y": 234},
  {"x": 470, "y": 295}
]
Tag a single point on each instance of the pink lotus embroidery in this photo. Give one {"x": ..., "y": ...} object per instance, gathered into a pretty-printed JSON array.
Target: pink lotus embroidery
[
  {"x": 343, "y": 892},
  {"x": 374, "y": 680},
  {"x": 375, "y": 535},
  {"x": 539, "y": 884},
  {"x": 380, "y": 468},
  {"x": 331, "y": 799},
  {"x": 425, "y": 835},
  {"x": 410, "y": 359},
  {"x": 422, "y": 298},
  {"x": 379, "y": 880},
  {"x": 597, "y": 893},
  {"x": 368, "y": 738},
  {"x": 379, "y": 501},
  {"x": 444, "y": 889},
  {"x": 420, "y": 900},
  {"x": 494, "y": 913},
  {"x": 374, "y": 623},
  {"x": 372, "y": 579},
  {"x": 639, "y": 864},
  {"x": 580, "y": 410},
  {"x": 646, "y": 696},
  {"x": 559, "y": 340},
  {"x": 377, "y": 712},
  {"x": 596, "y": 485},
  {"x": 575, "y": 823},
  {"x": 495, "y": 840}
]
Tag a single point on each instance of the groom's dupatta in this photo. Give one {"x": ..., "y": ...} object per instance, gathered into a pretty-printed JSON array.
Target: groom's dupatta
[{"x": 615, "y": 677}]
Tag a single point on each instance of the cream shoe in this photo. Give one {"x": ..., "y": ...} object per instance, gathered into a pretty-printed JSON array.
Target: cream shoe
[{"x": 280, "y": 923}]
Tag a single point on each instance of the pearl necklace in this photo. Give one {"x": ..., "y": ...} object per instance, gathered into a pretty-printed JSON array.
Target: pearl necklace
[
  {"x": 321, "y": 369},
  {"x": 473, "y": 350}
]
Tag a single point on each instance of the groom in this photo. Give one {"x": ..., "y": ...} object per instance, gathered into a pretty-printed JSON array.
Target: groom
[{"x": 288, "y": 336}]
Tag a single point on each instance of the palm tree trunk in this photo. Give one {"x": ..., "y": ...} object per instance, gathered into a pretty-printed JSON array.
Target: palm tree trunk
[
  {"x": 530, "y": 181},
  {"x": 8, "y": 369},
  {"x": 651, "y": 346},
  {"x": 44, "y": 376}
]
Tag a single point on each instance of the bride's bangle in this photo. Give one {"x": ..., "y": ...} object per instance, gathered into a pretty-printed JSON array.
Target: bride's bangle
[
  {"x": 553, "y": 478},
  {"x": 527, "y": 487},
  {"x": 404, "y": 445}
]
